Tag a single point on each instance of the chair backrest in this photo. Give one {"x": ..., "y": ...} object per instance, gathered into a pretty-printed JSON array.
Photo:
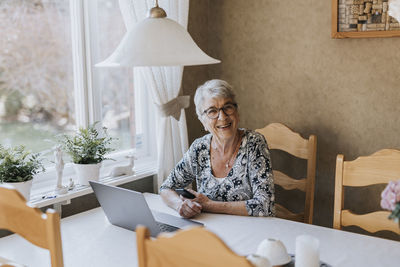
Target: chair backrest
[
  {"x": 41, "y": 229},
  {"x": 8, "y": 263},
  {"x": 378, "y": 168},
  {"x": 195, "y": 247},
  {"x": 280, "y": 137}
]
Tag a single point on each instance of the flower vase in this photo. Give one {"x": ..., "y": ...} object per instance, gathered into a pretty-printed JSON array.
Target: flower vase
[
  {"x": 87, "y": 172},
  {"x": 24, "y": 188}
]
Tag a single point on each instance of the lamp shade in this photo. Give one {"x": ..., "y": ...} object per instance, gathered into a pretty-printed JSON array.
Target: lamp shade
[
  {"x": 157, "y": 42},
  {"x": 394, "y": 9}
]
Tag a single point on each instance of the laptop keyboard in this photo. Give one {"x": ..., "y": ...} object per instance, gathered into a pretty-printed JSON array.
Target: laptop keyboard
[{"x": 166, "y": 227}]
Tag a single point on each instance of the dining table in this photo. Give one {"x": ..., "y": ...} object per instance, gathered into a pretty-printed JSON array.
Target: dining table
[{"x": 89, "y": 239}]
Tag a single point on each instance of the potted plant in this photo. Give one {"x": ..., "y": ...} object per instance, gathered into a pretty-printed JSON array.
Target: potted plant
[
  {"x": 17, "y": 168},
  {"x": 87, "y": 150}
]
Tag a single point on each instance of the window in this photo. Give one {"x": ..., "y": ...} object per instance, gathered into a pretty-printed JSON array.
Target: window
[
  {"x": 121, "y": 109},
  {"x": 49, "y": 85},
  {"x": 36, "y": 79}
]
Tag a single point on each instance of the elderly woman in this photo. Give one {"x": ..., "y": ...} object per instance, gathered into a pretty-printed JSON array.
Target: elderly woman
[{"x": 231, "y": 166}]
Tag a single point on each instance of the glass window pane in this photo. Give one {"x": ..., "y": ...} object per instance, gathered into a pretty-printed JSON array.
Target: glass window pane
[
  {"x": 120, "y": 111},
  {"x": 36, "y": 79}
]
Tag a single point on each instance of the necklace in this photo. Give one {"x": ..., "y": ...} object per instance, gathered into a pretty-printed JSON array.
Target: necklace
[
  {"x": 233, "y": 153},
  {"x": 227, "y": 163},
  {"x": 237, "y": 143}
]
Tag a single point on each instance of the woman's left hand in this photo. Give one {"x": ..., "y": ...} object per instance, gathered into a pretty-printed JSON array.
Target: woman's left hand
[{"x": 203, "y": 200}]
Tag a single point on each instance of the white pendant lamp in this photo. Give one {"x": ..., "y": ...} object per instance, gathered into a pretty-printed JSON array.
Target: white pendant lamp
[
  {"x": 394, "y": 9},
  {"x": 157, "y": 41}
]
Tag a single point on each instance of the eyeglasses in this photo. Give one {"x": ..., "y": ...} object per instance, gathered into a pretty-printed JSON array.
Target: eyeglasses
[{"x": 213, "y": 112}]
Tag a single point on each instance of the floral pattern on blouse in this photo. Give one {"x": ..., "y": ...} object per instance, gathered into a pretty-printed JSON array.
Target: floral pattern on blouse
[{"x": 250, "y": 178}]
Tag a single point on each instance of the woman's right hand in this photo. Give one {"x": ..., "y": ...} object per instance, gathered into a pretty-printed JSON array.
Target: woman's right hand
[{"x": 188, "y": 208}]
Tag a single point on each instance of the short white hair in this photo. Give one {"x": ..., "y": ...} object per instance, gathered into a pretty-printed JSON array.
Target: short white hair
[{"x": 212, "y": 89}]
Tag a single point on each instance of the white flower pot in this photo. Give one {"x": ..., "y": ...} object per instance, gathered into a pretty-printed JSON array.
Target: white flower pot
[
  {"x": 87, "y": 172},
  {"x": 24, "y": 188}
]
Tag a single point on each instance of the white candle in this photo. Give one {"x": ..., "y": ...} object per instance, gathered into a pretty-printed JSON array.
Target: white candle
[{"x": 307, "y": 251}]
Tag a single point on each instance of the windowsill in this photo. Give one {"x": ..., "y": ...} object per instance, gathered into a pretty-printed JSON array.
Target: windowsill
[{"x": 48, "y": 197}]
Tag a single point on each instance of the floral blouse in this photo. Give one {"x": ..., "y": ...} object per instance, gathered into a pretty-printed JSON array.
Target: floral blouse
[{"x": 249, "y": 180}]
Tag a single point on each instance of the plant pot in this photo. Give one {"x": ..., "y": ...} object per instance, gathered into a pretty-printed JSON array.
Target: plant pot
[
  {"x": 24, "y": 188},
  {"x": 87, "y": 172}
]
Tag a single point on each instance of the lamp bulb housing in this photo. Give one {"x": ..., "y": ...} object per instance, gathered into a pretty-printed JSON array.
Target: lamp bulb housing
[{"x": 156, "y": 12}]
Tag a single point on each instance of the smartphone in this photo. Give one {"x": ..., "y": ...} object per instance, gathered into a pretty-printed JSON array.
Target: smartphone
[{"x": 183, "y": 192}]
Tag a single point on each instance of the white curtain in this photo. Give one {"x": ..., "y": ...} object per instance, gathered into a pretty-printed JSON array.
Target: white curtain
[{"x": 164, "y": 83}]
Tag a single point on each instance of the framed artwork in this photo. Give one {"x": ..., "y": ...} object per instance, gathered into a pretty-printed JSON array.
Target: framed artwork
[{"x": 363, "y": 19}]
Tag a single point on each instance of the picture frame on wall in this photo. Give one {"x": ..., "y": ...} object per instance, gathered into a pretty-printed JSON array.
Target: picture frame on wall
[{"x": 363, "y": 19}]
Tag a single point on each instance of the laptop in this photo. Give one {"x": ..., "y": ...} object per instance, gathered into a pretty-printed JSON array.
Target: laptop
[{"x": 127, "y": 209}]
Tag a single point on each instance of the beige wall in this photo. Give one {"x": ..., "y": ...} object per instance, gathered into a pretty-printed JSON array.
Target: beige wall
[{"x": 284, "y": 66}]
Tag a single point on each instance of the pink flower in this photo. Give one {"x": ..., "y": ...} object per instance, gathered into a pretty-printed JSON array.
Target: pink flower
[
  {"x": 391, "y": 195},
  {"x": 397, "y": 190}
]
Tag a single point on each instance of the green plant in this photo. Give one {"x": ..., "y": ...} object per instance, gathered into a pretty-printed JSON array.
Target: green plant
[
  {"x": 18, "y": 165},
  {"x": 86, "y": 146}
]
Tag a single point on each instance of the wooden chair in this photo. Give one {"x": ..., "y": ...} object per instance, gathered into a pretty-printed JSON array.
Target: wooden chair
[
  {"x": 378, "y": 168},
  {"x": 41, "y": 229},
  {"x": 195, "y": 247},
  {"x": 7, "y": 263},
  {"x": 280, "y": 137}
]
